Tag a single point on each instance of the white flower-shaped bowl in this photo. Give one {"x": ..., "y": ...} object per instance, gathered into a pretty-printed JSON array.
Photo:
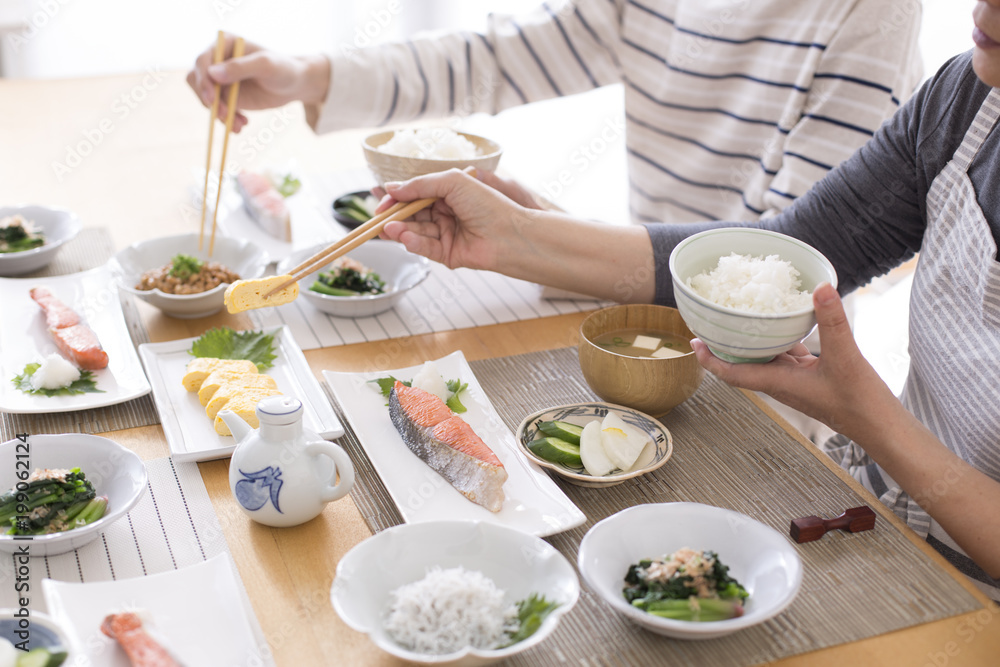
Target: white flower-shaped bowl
[
  {"x": 763, "y": 560},
  {"x": 401, "y": 271},
  {"x": 239, "y": 255},
  {"x": 654, "y": 455},
  {"x": 740, "y": 336},
  {"x": 58, "y": 225},
  {"x": 114, "y": 471},
  {"x": 518, "y": 563}
]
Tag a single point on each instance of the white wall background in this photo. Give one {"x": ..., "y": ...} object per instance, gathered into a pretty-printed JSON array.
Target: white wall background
[{"x": 70, "y": 38}]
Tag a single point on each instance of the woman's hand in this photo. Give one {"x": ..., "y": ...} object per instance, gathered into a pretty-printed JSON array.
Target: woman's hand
[
  {"x": 839, "y": 388},
  {"x": 267, "y": 79},
  {"x": 471, "y": 224}
]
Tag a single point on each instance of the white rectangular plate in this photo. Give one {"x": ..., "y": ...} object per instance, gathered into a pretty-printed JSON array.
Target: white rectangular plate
[
  {"x": 191, "y": 434},
  {"x": 24, "y": 339},
  {"x": 197, "y": 613},
  {"x": 534, "y": 504}
]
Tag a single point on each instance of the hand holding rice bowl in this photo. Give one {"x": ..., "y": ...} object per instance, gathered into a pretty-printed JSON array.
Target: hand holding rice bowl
[
  {"x": 448, "y": 153},
  {"x": 737, "y": 335}
]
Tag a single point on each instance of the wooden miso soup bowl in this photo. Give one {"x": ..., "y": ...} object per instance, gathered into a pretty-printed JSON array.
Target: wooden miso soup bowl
[{"x": 650, "y": 385}]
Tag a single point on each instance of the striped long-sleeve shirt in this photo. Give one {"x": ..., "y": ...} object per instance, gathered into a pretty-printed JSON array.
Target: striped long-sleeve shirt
[{"x": 733, "y": 108}]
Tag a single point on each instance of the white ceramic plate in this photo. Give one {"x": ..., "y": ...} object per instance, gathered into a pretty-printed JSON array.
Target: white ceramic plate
[
  {"x": 401, "y": 271},
  {"x": 653, "y": 455},
  {"x": 191, "y": 434},
  {"x": 57, "y": 224},
  {"x": 534, "y": 504},
  {"x": 24, "y": 339},
  {"x": 763, "y": 560},
  {"x": 197, "y": 613},
  {"x": 520, "y": 565},
  {"x": 114, "y": 471}
]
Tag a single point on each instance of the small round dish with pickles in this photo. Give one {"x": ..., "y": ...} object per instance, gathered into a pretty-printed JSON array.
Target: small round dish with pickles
[{"x": 595, "y": 444}]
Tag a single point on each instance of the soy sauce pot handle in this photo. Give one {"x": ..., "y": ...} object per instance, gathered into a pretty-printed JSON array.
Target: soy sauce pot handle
[{"x": 342, "y": 465}]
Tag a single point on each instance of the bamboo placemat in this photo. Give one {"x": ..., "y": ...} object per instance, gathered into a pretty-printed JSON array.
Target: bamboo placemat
[
  {"x": 92, "y": 248},
  {"x": 730, "y": 454}
]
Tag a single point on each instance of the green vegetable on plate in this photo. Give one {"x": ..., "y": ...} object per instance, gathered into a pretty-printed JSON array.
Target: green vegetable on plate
[
  {"x": 563, "y": 430},
  {"x": 87, "y": 384},
  {"x": 183, "y": 266},
  {"x": 455, "y": 389},
  {"x": 531, "y": 613},
  {"x": 51, "y": 501},
  {"x": 687, "y": 585}
]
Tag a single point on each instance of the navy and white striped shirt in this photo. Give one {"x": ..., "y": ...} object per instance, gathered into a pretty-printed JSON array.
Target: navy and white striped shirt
[{"x": 733, "y": 108}]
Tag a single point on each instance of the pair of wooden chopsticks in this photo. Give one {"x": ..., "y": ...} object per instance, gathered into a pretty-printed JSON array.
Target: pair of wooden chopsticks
[
  {"x": 234, "y": 91},
  {"x": 367, "y": 231}
]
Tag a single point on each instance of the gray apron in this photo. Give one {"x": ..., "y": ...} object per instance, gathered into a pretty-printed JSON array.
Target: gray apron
[{"x": 953, "y": 386}]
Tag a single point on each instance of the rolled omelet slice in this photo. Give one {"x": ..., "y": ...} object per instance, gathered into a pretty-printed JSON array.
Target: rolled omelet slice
[
  {"x": 220, "y": 377},
  {"x": 227, "y": 392},
  {"x": 248, "y": 294},
  {"x": 199, "y": 369},
  {"x": 245, "y": 405}
]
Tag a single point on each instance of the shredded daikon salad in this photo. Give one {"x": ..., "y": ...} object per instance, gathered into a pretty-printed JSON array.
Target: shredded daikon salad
[
  {"x": 449, "y": 610},
  {"x": 753, "y": 284}
]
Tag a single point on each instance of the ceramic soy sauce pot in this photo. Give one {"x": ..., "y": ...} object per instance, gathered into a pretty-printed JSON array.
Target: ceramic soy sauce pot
[{"x": 281, "y": 474}]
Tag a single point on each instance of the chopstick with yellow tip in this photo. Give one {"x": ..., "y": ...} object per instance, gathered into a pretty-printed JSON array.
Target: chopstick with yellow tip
[
  {"x": 367, "y": 231},
  {"x": 234, "y": 91}
]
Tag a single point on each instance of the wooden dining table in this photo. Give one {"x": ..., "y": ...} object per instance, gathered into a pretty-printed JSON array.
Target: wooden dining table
[{"x": 123, "y": 152}]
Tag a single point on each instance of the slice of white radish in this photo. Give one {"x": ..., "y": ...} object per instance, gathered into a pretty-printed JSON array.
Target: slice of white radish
[
  {"x": 622, "y": 443},
  {"x": 595, "y": 460}
]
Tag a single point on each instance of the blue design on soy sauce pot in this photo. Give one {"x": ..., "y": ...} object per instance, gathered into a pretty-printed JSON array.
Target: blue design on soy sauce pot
[
  {"x": 282, "y": 474},
  {"x": 254, "y": 490}
]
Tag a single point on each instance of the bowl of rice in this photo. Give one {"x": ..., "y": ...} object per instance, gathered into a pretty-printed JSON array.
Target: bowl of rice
[
  {"x": 747, "y": 293},
  {"x": 403, "y": 154},
  {"x": 453, "y": 592}
]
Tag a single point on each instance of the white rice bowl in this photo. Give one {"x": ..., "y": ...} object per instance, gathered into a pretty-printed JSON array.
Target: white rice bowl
[
  {"x": 764, "y": 284},
  {"x": 435, "y": 143},
  {"x": 741, "y": 336}
]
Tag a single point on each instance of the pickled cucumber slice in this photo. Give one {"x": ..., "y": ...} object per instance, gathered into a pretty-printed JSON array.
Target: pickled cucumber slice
[
  {"x": 557, "y": 451},
  {"x": 562, "y": 430}
]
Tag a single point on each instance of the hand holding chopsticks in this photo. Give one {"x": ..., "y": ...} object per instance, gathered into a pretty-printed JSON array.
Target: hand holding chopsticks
[
  {"x": 367, "y": 231},
  {"x": 234, "y": 91}
]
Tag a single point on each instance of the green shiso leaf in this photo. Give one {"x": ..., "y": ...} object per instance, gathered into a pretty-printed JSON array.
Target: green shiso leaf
[
  {"x": 85, "y": 385},
  {"x": 225, "y": 343},
  {"x": 531, "y": 613}
]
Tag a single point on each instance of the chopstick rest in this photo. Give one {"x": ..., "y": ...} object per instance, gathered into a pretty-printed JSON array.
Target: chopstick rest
[{"x": 854, "y": 520}]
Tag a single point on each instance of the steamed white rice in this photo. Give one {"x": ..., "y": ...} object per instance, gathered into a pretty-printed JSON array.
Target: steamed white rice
[
  {"x": 438, "y": 143},
  {"x": 449, "y": 610},
  {"x": 766, "y": 285}
]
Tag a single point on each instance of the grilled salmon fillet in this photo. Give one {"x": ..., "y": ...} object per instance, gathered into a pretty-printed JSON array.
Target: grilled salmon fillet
[
  {"x": 446, "y": 443},
  {"x": 76, "y": 341}
]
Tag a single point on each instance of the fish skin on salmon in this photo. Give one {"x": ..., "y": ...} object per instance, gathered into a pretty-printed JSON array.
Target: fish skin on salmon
[
  {"x": 446, "y": 443},
  {"x": 76, "y": 341}
]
